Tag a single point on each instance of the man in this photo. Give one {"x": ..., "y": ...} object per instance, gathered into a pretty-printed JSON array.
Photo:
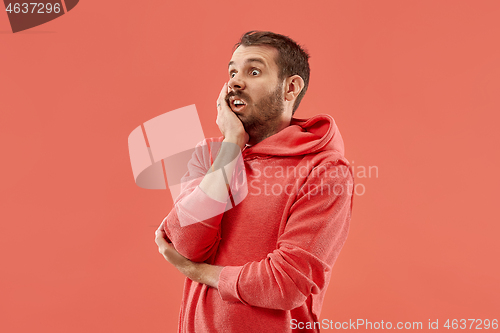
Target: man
[{"x": 260, "y": 261}]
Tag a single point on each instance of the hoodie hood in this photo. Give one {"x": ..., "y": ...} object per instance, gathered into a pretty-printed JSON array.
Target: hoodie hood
[{"x": 303, "y": 136}]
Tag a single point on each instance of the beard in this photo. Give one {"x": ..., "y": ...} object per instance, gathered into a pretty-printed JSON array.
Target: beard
[{"x": 262, "y": 118}]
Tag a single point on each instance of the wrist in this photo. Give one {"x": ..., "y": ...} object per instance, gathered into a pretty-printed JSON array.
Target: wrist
[
  {"x": 203, "y": 273},
  {"x": 240, "y": 141}
]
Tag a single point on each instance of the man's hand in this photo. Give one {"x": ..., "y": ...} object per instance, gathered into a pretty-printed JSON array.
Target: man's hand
[
  {"x": 169, "y": 252},
  {"x": 198, "y": 272},
  {"x": 229, "y": 124}
]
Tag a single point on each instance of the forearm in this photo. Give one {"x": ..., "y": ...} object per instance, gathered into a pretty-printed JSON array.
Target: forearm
[
  {"x": 216, "y": 181},
  {"x": 197, "y": 241},
  {"x": 198, "y": 272},
  {"x": 193, "y": 224},
  {"x": 203, "y": 273},
  {"x": 200, "y": 212}
]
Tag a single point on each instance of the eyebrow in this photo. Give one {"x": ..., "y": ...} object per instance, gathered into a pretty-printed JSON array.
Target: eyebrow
[{"x": 249, "y": 60}]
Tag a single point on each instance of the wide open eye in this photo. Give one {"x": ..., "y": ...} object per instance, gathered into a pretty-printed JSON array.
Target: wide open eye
[
  {"x": 232, "y": 74},
  {"x": 255, "y": 72}
]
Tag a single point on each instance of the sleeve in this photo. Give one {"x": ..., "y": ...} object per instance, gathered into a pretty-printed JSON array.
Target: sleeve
[
  {"x": 193, "y": 224},
  {"x": 193, "y": 237},
  {"x": 316, "y": 230}
]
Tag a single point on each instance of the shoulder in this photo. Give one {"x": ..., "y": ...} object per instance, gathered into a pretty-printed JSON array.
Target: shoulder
[
  {"x": 334, "y": 169},
  {"x": 329, "y": 159}
]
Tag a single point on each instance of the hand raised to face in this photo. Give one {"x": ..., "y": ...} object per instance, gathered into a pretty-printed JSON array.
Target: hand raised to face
[{"x": 229, "y": 124}]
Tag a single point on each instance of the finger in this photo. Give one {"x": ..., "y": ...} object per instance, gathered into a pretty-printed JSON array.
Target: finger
[
  {"x": 171, "y": 254},
  {"x": 159, "y": 237},
  {"x": 160, "y": 234},
  {"x": 161, "y": 229},
  {"x": 162, "y": 224},
  {"x": 167, "y": 250},
  {"x": 223, "y": 92},
  {"x": 221, "y": 101},
  {"x": 162, "y": 244}
]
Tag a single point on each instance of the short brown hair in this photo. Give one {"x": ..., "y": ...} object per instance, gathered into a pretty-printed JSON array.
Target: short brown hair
[{"x": 292, "y": 59}]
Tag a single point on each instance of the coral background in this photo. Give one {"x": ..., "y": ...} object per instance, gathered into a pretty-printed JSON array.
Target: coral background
[{"x": 413, "y": 86}]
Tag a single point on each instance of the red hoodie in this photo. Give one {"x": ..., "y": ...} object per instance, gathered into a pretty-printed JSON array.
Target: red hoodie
[{"x": 279, "y": 244}]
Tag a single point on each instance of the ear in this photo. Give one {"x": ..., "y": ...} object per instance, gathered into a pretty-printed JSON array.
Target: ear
[{"x": 293, "y": 86}]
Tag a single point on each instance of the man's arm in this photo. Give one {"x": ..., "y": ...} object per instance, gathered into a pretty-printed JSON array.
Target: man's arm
[
  {"x": 198, "y": 272},
  {"x": 193, "y": 224},
  {"x": 235, "y": 139},
  {"x": 316, "y": 231}
]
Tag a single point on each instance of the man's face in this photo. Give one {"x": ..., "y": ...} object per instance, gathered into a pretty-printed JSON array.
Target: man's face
[{"x": 256, "y": 94}]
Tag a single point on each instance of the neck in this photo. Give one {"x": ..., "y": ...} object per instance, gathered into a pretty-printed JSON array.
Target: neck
[{"x": 259, "y": 134}]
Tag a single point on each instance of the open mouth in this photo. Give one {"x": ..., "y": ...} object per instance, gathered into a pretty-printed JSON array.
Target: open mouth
[{"x": 237, "y": 104}]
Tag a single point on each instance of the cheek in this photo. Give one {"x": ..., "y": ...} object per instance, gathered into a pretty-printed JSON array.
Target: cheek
[{"x": 261, "y": 93}]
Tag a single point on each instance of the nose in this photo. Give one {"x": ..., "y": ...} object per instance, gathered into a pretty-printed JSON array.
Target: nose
[{"x": 236, "y": 82}]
